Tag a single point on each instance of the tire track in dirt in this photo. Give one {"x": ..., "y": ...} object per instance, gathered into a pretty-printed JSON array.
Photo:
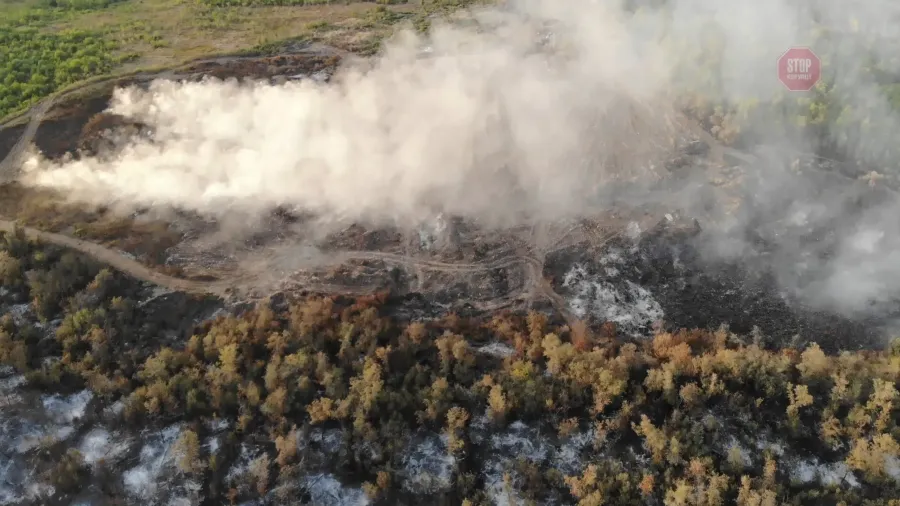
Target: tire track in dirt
[
  {"x": 236, "y": 286},
  {"x": 231, "y": 287},
  {"x": 537, "y": 284},
  {"x": 115, "y": 259},
  {"x": 11, "y": 164},
  {"x": 432, "y": 265}
]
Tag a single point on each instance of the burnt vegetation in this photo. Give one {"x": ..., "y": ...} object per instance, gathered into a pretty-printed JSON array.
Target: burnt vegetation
[{"x": 692, "y": 417}]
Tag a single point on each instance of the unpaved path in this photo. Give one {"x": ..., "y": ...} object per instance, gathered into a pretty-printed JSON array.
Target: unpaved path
[
  {"x": 11, "y": 164},
  {"x": 120, "y": 261},
  {"x": 535, "y": 284},
  {"x": 431, "y": 265},
  {"x": 115, "y": 259},
  {"x": 226, "y": 287}
]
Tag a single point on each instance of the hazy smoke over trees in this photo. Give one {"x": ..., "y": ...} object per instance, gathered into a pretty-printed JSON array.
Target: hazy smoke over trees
[{"x": 530, "y": 113}]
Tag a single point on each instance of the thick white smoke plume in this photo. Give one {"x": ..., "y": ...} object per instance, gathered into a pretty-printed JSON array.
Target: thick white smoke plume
[
  {"x": 492, "y": 126},
  {"x": 485, "y": 128}
]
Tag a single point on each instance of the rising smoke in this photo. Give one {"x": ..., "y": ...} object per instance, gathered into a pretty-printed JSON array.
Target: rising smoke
[
  {"x": 496, "y": 126},
  {"x": 486, "y": 128}
]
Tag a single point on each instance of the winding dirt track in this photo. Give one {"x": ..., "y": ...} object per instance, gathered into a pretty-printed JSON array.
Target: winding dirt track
[
  {"x": 431, "y": 265},
  {"x": 535, "y": 284},
  {"x": 225, "y": 287},
  {"x": 122, "y": 262},
  {"x": 11, "y": 163},
  {"x": 117, "y": 260}
]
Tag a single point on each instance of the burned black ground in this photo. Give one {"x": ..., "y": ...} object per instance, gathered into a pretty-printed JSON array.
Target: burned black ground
[{"x": 695, "y": 292}]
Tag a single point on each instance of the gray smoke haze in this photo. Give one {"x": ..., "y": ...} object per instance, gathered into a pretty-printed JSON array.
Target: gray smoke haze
[{"x": 494, "y": 128}]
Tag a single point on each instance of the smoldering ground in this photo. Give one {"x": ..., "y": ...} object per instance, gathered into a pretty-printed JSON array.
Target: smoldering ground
[{"x": 533, "y": 111}]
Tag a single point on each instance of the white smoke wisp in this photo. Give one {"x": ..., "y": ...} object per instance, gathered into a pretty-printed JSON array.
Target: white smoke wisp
[{"x": 487, "y": 128}]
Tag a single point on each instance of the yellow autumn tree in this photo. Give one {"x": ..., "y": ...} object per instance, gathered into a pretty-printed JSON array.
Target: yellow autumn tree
[
  {"x": 814, "y": 364},
  {"x": 871, "y": 456},
  {"x": 655, "y": 439},
  {"x": 187, "y": 452},
  {"x": 457, "y": 419},
  {"x": 497, "y": 404}
]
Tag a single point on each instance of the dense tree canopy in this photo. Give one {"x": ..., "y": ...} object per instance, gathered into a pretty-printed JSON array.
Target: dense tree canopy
[{"x": 34, "y": 64}]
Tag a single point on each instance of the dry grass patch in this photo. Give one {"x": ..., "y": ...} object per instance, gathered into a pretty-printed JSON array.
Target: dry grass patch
[
  {"x": 161, "y": 32},
  {"x": 45, "y": 210}
]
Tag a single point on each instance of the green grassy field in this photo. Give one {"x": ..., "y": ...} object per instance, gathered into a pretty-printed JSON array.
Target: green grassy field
[{"x": 51, "y": 44}]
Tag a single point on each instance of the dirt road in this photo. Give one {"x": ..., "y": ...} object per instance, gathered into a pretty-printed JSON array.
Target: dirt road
[
  {"x": 535, "y": 285},
  {"x": 117, "y": 260},
  {"x": 227, "y": 287},
  {"x": 11, "y": 164}
]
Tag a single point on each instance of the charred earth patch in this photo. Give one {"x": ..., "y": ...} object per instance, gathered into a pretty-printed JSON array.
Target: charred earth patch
[
  {"x": 663, "y": 278},
  {"x": 486, "y": 289}
]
